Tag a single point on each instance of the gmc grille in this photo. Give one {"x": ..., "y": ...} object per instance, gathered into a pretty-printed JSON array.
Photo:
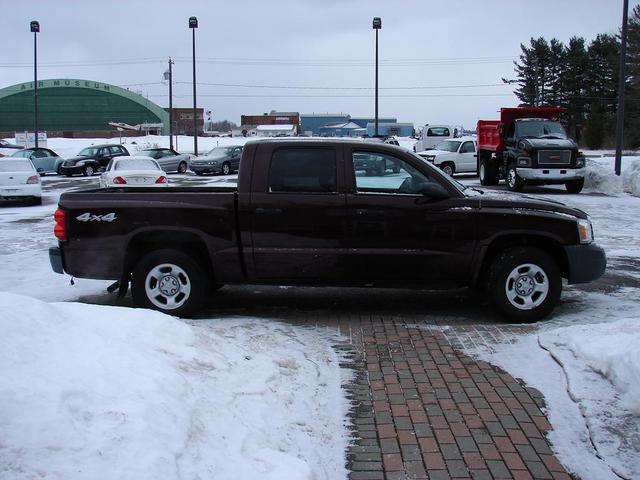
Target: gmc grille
[{"x": 554, "y": 157}]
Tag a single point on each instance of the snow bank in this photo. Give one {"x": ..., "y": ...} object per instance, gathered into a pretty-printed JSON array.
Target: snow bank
[
  {"x": 610, "y": 349},
  {"x": 106, "y": 392},
  {"x": 601, "y": 179},
  {"x": 631, "y": 178}
]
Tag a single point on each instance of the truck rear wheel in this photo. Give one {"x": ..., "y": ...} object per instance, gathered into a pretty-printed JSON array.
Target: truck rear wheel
[
  {"x": 524, "y": 284},
  {"x": 169, "y": 281},
  {"x": 514, "y": 182},
  {"x": 574, "y": 186},
  {"x": 488, "y": 174}
]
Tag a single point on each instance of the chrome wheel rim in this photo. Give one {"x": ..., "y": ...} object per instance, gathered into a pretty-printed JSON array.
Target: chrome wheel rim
[
  {"x": 527, "y": 286},
  {"x": 511, "y": 177},
  {"x": 89, "y": 171},
  {"x": 448, "y": 170},
  {"x": 167, "y": 286},
  {"x": 482, "y": 171},
  {"x": 226, "y": 169},
  {"x": 182, "y": 167}
]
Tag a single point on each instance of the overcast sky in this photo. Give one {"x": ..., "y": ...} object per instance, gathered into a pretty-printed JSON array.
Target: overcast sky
[{"x": 326, "y": 46}]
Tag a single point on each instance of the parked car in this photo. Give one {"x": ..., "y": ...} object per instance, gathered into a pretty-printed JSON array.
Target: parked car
[
  {"x": 19, "y": 180},
  {"x": 133, "y": 171},
  {"x": 91, "y": 159},
  {"x": 7, "y": 148},
  {"x": 44, "y": 159},
  {"x": 453, "y": 156},
  {"x": 300, "y": 215},
  {"x": 168, "y": 159},
  {"x": 222, "y": 160}
]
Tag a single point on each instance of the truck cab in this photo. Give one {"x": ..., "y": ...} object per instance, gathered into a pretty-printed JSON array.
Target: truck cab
[
  {"x": 432, "y": 135},
  {"x": 524, "y": 149}
]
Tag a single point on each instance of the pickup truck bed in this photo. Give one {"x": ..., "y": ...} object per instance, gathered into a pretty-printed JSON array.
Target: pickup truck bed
[{"x": 303, "y": 214}]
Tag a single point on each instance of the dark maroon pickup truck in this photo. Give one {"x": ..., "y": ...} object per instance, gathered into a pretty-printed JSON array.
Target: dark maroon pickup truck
[{"x": 304, "y": 213}]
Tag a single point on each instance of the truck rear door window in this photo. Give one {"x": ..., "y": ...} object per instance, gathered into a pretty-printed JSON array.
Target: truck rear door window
[
  {"x": 382, "y": 173},
  {"x": 306, "y": 170}
]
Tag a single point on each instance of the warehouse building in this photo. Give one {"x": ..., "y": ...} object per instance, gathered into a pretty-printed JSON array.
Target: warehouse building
[
  {"x": 391, "y": 129},
  {"x": 77, "y": 108},
  {"x": 311, "y": 123}
]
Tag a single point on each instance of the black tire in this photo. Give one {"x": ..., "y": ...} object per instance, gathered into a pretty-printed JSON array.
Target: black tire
[
  {"x": 182, "y": 167},
  {"x": 36, "y": 201},
  {"x": 536, "y": 268},
  {"x": 184, "y": 271},
  {"x": 88, "y": 170},
  {"x": 67, "y": 175},
  {"x": 488, "y": 173},
  {"x": 574, "y": 186},
  {"x": 514, "y": 182},
  {"x": 226, "y": 168},
  {"x": 448, "y": 168},
  {"x": 199, "y": 173}
]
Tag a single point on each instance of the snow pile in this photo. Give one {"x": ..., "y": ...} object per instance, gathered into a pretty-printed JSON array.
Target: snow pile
[
  {"x": 610, "y": 349},
  {"x": 106, "y": 392},
  {"x": 631, "y": 178},
  {"x": 600, "y": 179}
]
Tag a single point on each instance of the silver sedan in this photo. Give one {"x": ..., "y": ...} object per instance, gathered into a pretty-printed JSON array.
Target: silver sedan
[{"x": 168, "y": 159}]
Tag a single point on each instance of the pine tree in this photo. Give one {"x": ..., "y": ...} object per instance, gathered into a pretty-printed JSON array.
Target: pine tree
[
  {"x": 573, "y": 85},
  {"x": 527, "y": 80},
  {"x": 632, "y": 101}
]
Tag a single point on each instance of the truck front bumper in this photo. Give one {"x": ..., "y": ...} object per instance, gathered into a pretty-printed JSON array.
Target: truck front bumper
[
  {"x": 586, "y": 262},
  {"x": 550, "y": 175},
  {"x": 55, "y": 257}
]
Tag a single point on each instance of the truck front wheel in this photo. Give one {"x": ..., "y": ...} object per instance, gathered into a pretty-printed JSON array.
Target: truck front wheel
[
  {"x": 524, "y": 284},
  {"x": 169, "y": 281},
  {"x": 574, "y": 186},
  {"x": 514, "y": 182}
]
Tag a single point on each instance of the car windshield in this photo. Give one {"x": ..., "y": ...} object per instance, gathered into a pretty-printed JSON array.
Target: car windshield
[
  {"x": 541, "y": 129},
  {"x": 15, "y": 166},
  {"x": 220, "y": 151},
  {"x": 448, "y": 146},
  {"x": 136, "y": 164},
  {"x": 88, "y": 152}
]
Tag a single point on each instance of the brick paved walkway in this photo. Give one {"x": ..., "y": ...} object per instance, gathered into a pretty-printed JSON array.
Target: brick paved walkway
[{"x": 426, "y": 410}]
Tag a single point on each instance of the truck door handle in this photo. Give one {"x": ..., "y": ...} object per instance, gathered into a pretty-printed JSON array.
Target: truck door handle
[
  {"x": 268, "y": 211},
  {"x": 365, "y": 212}
]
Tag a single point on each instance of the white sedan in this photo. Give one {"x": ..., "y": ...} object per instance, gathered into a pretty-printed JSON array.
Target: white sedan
[
  {"x": 457, "y": 155},
  {"x": 19, "y": 180},
  {"x": 133, "y": 172}
]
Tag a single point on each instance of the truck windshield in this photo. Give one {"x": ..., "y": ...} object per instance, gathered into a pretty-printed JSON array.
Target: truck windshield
[
  {"x": 88, "y": 152},
  {"x": 541, "y": 129},
  {"x": 448, "y": 146}
]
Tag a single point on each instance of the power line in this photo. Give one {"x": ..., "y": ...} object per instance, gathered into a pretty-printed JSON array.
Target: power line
[
  {"x": 232, "y": 95},
  {"x": 309, "y": 87}
]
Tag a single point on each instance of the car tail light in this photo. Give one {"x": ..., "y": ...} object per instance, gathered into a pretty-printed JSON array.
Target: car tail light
[
  {"x": 161, "y": 179},
  {"x": 33, "y": 179},
  {"x": 119, "y": 181},
  {"x": 60, "y": 230}
]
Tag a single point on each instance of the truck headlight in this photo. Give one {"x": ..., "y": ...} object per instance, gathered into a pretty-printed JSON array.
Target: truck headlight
[
  {"x": 524, "y": 161},
  {"x": 585, "y": 231},
  {"x": 429, "y": 158}
]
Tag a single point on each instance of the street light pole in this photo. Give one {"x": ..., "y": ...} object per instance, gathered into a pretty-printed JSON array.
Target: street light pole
[
  {"x": 193, "y": 24},
  {"x": 35, "y": 28},
  {"x": 377, "y": 25},
  {"x": 621, "y": 85},
  {"x": 170, "y": 103}
]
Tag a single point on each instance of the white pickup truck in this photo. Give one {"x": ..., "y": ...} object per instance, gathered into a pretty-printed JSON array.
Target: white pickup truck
[
  {"x": 431, "y": 135},
  {"x": 456, "y": 155}
]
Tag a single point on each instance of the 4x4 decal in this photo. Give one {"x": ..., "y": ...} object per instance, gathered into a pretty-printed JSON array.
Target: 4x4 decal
[{"x": 89, "y": 217}]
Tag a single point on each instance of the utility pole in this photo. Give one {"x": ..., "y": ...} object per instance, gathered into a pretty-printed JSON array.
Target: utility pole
[
  {"x": 193, "y": 25},
  {"x": 621, "y": 85},
  {"x": 377, "y": 25}
]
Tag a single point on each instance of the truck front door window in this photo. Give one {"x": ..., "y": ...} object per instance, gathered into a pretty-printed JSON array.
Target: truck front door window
[
  {"x": 303, "y": 170},
  {"x": 382, "y": 173}
]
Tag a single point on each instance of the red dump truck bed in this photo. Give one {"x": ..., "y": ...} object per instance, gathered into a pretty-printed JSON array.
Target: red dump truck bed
[{"x": 490, "y": 131}]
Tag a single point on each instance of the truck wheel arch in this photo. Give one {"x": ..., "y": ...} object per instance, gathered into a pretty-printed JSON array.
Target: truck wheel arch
[
  {"x": 487, "y": 253},
  {"x": 187, "y": 242}
]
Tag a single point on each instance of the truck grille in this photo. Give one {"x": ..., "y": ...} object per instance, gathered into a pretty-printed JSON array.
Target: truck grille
[{"x": 554, "y": 157}]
